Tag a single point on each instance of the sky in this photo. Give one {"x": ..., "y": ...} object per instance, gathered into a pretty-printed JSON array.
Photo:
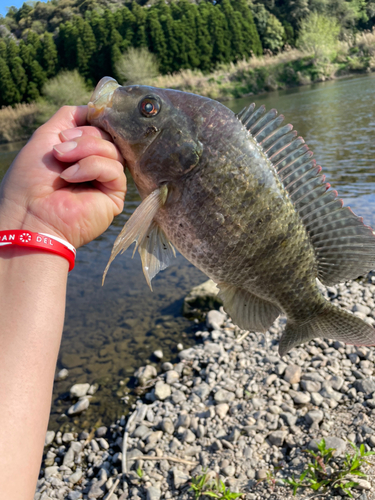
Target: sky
[{"x": 9, "y": 3}]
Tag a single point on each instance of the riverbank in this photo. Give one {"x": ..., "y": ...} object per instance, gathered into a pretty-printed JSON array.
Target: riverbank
[
  {"x": 257, "y": 75},
  {"x": 231, "y": 406}
]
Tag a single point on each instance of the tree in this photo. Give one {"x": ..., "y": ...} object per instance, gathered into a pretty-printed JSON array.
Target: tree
[
  {"x": 50, "y": 58},
  {"x": 319, "y": 34},
  {"x": 7, "y": 88},
  {"x": 156, "y": 39},
  {"x": 17, "y": 71}
]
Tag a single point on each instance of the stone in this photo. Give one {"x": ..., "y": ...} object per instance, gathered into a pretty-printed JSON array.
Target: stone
[
  {"x": 310, "y": 385},
  {"x": 367, "y": 386},
  {"x": 221, "y": 410},
  {"x": 98, "y": 489},
  {"x": 93, "y": 389},
  {"x": 215, "y": 320},
  {"x": 158, "y": 354},
  {"x": 153, "y": 493},
  {"x": 363, "y": 484},
  {"x": 67, "y": 437},
  {"x": 51, "y": 471},
  {"x": 187, "y": 354},
  {"x": 300, "y": 398},
  {"x": 167, "y": 426},
  {"x": 145, "y": 373},
  {"x": 62, "y": 374},
  {"x": 188, "y": 436},
  {"x": 331, "y": 442},
  {"x": 180, "y": 478},
  {"x": 223, "y": 396},
  {"x": 202, "y": 390},
  {"x": 79, "y": 390},
  {"x": 336, "y": 382},
  {"x": 277, "y": 438},
  {"x": 103, "y": 443},
  {"x": 314, "y": 417},
  {"x": 289, "y": 418},
  {"x": 50, "y": 436},
  {"x": 171, "y": 377},
  {"x": 80, "y": 406},
  {"x": 167, "y": 366},
  {"x": 69, "y": 458},
  {"x": 292, "y": 374},
  {"x": 101, "y": 431},
  {"x": 261, "y": 474},
  {"x": 162, "y": 390},
  {"x": 202, "y": 297},
  {"x": 229, "y": 470},
  {"x": 76, "y": 476},
  {"x": 316, "y": 398},
  {"x": 74, "y": 495}
]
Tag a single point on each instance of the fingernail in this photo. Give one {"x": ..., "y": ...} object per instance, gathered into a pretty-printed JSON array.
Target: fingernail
[
  {"x": 71, "y": 133},
  {"x": 65, "y": 147},
  {"x": 70, "y": 172}
]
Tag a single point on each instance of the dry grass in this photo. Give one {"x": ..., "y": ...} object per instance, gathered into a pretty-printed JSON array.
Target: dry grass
[
  {"x": 19, "y": 122},
  {"x": 214, "y": 84}
]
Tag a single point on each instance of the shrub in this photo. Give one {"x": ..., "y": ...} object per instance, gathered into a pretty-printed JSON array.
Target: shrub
[
  {"x": 137, "y": 66},
  {"x": 67, "y": 88},
  {"x": 318, "y": 34}
]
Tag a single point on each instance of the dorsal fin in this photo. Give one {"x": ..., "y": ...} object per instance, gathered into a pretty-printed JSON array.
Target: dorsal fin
[{"x": 344, "y": 246}]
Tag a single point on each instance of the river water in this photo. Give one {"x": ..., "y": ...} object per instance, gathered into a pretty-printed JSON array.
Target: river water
[{"x": 110, "y": 331}]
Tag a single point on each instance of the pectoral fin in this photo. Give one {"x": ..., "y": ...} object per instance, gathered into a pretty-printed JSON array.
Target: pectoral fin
[
  {"x": 156, "y": 252},
  {"x": 138, "y": 226}
]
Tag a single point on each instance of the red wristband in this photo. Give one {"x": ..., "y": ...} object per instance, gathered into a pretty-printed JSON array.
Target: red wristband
[{"x": 40, "y": 241}]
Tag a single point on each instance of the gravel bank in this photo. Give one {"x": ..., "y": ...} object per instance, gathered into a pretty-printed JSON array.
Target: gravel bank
[{"x": 231, "y": 405}]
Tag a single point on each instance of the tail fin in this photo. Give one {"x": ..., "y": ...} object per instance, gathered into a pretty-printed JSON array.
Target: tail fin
[{"x": 330, "y": 323}]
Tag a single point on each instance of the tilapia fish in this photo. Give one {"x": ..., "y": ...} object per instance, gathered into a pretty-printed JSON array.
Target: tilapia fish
[{"x": 242, "y": 199}]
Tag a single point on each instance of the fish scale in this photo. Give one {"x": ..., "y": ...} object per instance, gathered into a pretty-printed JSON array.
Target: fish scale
[{"x": 242, "y": 199}]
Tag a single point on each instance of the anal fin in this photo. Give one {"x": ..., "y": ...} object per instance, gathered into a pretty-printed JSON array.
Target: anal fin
[
  {"x": 247, "y": 310},
  {"x": 156, "y": 252}
]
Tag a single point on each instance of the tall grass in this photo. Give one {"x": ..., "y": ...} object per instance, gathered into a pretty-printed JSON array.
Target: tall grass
[{"x": 17, "y": 123}]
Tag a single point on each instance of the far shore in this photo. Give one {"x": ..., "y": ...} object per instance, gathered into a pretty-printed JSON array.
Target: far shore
[{"x": 256, "y": 76}]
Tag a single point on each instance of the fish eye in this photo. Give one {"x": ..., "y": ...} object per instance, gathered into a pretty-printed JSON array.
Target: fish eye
[{"x": 149, "y": 107}]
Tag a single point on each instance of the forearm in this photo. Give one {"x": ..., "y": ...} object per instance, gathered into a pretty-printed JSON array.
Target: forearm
[{"x": 32, "y": 305}]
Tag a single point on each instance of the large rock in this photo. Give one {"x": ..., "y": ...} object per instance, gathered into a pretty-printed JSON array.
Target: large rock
[{"x": 202, "y": 298}]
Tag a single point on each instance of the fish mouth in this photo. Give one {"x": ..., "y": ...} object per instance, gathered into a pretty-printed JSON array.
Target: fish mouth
[{"x": 102, "y": 97}]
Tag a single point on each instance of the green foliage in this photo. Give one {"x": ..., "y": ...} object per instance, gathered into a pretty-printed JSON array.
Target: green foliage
[
  {"x": 137, "y": 66},
  {"x": 139, "y": 472},
  {"x": 319, "y": 474},
  {"x": 205, "y": 485},
  {"x": 319, "y": 34},
  {"x": 68, "y": 87}
]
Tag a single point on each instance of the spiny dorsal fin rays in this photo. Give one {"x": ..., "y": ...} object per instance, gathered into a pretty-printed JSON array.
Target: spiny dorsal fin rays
[
  {"x": 345, "y": 254},
  {"x": 139, "y": 223}
]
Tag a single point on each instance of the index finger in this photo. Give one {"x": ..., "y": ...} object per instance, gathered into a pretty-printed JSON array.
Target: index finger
[{"x": 65, "y": 118}]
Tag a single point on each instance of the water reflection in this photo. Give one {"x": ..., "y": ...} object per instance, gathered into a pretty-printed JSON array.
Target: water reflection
[{"x": 111, "y": 330}]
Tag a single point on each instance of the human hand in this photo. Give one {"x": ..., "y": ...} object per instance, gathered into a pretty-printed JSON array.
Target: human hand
[{"x": 67, "y": 181}]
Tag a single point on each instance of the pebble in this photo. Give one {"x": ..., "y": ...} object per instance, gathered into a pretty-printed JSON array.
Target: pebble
[
  {"x": 62, "y": 374},
  {"x": 232, "y": 408},
  {"x": 314, "y": 417},
  {"x": 180, "y": 478},
  {"x": 145, "y": 373},
  {"x": 221, "y": 410},
  {"x": 162, "y": 390},
  {"x": 158, "y": 354},
  {"x": 215, "y": 319},
  {"x": 277, "y": 438},
  {"x": 79, "y": 390},
  {"x": 80, "y": 406},
  {"x": 224, "y": 396},
  {"x": 292, "y": 374},
  {"x": 50, "y": 436},
  {"x": 367, "y": 386}
]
